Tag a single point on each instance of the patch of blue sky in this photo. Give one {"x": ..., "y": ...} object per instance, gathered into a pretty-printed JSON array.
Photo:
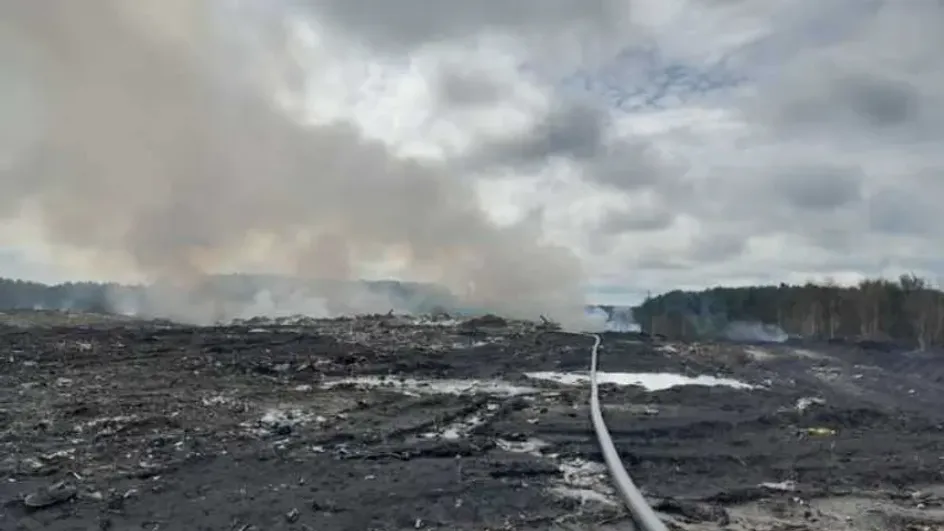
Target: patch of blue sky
[
  {"x": 639, "y": 80},
  {"x": 646, "y": 78}
]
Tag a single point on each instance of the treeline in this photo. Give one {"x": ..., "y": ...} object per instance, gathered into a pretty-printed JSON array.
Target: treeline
[
  {"x": 79, "y": 296},
  {"x": 908, "y": 309},
  {"x": 234, "y": 289}
]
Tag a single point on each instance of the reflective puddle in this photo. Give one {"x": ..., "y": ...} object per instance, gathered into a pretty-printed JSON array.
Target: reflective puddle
[{"x": 651, "y": 381}]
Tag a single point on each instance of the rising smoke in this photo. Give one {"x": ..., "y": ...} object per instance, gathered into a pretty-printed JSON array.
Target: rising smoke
[
  {"x": 754, "y": 332},
  {"x": 618, "y": 320},
  {"x": 156, "y": 148}
]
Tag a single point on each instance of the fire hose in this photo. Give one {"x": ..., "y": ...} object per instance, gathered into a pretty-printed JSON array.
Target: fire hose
[{"x": 643, "y": 514}]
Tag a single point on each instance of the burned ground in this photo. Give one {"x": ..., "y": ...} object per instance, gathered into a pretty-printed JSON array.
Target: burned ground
[{"x": 389, "y": 423}]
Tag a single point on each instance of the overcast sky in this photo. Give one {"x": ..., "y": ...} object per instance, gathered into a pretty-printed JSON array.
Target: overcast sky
[{"x": 667, "y": 143}]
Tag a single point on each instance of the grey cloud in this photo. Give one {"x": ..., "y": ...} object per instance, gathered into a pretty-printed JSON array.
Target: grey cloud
[
  {"x": 631, "y": 164},
  {"x": 900, "y": 211},
  {"x": 717, "y": 247},
  {"x": 158, "y": 145},
  {"x": 771, "y": 199},
  {"x": 880, "y": 81},
  {"x": 409, "y": 23},
  {"x": 658, "y": 260},
  {"x": 821, "y": 205},
  {"x": 822, "y": 188},
  {"x": 651, "y": 218},
  {"x": 881, "y": 103},
  {"x": 466, "y": 89},
  {"x": 833, "y": 238},
  {"x": 854, "y": 99},
  {"x": 859, "y": 112},
  {"x": 571, "y": 130},
  {"x": 580, "y": 132}
]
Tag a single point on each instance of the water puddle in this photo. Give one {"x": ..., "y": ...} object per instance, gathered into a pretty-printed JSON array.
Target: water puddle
[
  {"x": 654, "y": 381},
  {"x": 441, "y": 387}
]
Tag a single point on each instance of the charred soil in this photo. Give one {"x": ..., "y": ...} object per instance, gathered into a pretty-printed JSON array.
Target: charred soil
[{"x": 393, "y": 423}]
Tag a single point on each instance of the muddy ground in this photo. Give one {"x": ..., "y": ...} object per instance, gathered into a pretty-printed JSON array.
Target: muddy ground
[{"x": 385, "y": 423}]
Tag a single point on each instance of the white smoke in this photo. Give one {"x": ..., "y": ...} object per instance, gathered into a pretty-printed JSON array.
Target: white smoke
[
  {"x": 620, "y": 320},
  {"x": 754, "y": 332}
]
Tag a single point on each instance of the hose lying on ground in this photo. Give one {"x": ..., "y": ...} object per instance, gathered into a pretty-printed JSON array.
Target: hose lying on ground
[{"x": 645, "y": 517}]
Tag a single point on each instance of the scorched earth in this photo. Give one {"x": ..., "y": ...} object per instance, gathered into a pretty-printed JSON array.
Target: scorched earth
[{"x": 393, "y": 423}]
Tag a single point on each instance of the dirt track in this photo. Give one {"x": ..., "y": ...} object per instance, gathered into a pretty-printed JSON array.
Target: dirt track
[{"x": 260, "y": 427}]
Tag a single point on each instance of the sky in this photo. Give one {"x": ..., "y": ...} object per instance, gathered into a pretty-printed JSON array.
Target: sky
[{"x": 662, "y": 143}]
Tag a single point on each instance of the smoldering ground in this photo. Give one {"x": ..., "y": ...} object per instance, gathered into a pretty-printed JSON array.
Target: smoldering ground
[{"x": 153, "y": 145}]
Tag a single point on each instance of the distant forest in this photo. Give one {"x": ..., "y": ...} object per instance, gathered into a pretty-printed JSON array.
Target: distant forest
[
  {"x": 230, "y": 289},
  {"x": 82, "y": 296},
  {"x": 908, "y": 309}
]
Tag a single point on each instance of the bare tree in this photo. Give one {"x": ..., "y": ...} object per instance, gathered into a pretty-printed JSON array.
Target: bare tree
[{"x": 920, "y": 308}]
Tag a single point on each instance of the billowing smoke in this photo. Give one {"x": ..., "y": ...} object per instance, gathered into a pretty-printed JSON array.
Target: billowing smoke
[
  {"x": 622, "y": 320},
  {"x": 596, "y": 319},
  {"x": 156, "y": 146},
  {"x": 754, "y": 332},
  {"x": 616, "y": 320}
]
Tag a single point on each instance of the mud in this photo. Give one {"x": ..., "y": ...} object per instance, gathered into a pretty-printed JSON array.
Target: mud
[{"x": 387, "y": 423}]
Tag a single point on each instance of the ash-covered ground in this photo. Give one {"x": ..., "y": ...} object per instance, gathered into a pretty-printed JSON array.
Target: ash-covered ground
[{"x": 391, "y": 423}]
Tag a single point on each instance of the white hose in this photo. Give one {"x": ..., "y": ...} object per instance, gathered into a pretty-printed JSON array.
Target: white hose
[{"x": 643, "y": 514}]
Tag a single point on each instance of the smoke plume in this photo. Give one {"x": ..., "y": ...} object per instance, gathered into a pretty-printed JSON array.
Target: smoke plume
[
  {"x": 754, "y": 332},
  {"x": 156, "y": 146}
]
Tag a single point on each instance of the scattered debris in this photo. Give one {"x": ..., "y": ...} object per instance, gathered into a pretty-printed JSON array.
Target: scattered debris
[
  {"x": 784, "y": 486},
  {"x": 819, "y": 431},
  {"x": 694, "y": 511},
  {"x": 586, "y": 481},
  {"x": 807, "y": 402},
  {"x": 485, "y": 321},
  {"x": 431, "y": 386},
  {"x": 54, "y": 494}
]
